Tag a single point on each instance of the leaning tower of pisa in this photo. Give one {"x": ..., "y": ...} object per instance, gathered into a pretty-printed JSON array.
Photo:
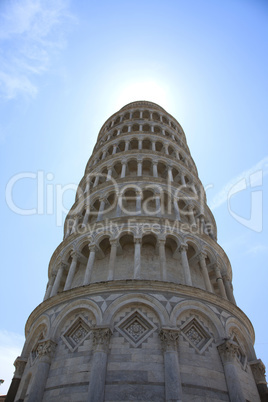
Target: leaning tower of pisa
[{"x": 139, "y": 304}]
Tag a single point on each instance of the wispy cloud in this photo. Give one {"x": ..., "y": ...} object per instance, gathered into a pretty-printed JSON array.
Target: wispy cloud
[
  {"x": 31, "y": 33},
  {"x": 222, "y": 196},
  {"x": 10, "y": 347},
  {"x": 258, "y": 248}
]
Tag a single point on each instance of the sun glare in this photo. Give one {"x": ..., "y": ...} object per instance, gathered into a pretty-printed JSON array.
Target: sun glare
[{"x": 143, "y": 90}]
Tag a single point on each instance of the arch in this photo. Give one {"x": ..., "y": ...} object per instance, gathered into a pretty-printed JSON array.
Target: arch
[
  {"x": 199, "y": 309},
  {"x": 70, "y": 310},
  {"x": 41, "y": 326},
  {"x": 234, "y": 326},
  {"x": 139, "y": 298}
]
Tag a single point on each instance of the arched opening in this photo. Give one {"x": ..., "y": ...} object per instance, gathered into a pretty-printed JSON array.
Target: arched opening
[
  {"x": 117, "y": 120},
  {"x": 135, "y": 127},
  {"x": 136, "y": 114},
  {"x": 147, "y": 168},
  {"x": 193, "y": 261},
  {"x": 81, "y": 267},
  {"x": 121, "y": 146},
  {"x": 125, "y": 258},
  {"x": 149, "y": 203},
  {"x": 117, "y": 170},
  {"x": 146, "y": 144},
  {"x": 94, "y": 209},
  {"x": 156, "y": 116},
  {"x": 126, "y": 116},
  {"x": 133, "y": 144},
  {"x": 146, "y": 114},
  {"x": 132, "y": 168},
  {"x": 174, "y": 268},
  {"x": 161, "y": 170},
  {"x": 157, "y": 130},
  {"x": 128, "y": 201},
  {"x": 164, "y": 120},
  {"x": 101, "y": 263},
  {"x": 146, "y": 128},
  {"x": 159, "y": 147},
  {"x": 150, "y": 266},
  {"x": 124, "y": 129}
]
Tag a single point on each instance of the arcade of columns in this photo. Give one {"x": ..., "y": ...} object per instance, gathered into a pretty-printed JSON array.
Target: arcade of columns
[{"x": 139, "y": 303}]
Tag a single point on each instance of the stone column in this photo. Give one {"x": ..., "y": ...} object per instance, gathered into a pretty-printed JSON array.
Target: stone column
[
  {"x": 85, "y": 220},
  {"x": 49, "y": 287},
  {"x": 114, "y": 149},
  {"x": 104, "y": 154},
  {"x": 140, "y": 143},
  {"x": 112, "y": 259},
  {"x": 137, "y": 258},
  {"x": 126, "y": 145},
  {"x": 129, "y": 129},
  {"x": 176, "y": 209},
  {"x": 119, "y": 204},
  {"x": 258, "y": 371},
  {"x": 173, "y": 389},
  {"x": 228, "y": 351},
  {"x": 123, "y": 170},
  {"x": 76, "y": 220},
  {"x": 101, "y": 340},
  {"x": 157, "y": 204},
  {"x": 191, "y": 214},
  {"x": 153, "y": 146},
  {"x": 96, "y": 181},
  {"x": 45, "y": 353},
  {"x": 155, "y": 173},
  {"x": 139, "y": 171},
  {"x": 183, "y": 182},
  {"x": 228, "y": 288},
  {"x": 109, "y": 174},
  {"x": 220, "y": 281},
  {"x": 57, "y": 282},
  {"x": 71, "y": 272},
  {"x": 138, "y": 202},
  {"x": 185, "y": 264},
  {"x": 170, "y": 175},
  {"x": 101, "y": 209},
  {"x": 19, "y": 364},
  {"x": 166, "y": 147},
  {"x": 90, "y": 263},
  {"x": 203, "y": 265},
  {"x": 162, "y": 258}
]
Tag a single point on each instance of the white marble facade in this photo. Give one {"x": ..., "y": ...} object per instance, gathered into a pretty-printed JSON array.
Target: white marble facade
[{"x": 139, "y": 304}]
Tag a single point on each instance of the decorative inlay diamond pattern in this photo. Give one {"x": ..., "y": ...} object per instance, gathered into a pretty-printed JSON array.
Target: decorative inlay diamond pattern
[
  {"x": 136, "y": 328},
  {"x": 196, "y": 335},
  {"x": 76, "y": 334}
]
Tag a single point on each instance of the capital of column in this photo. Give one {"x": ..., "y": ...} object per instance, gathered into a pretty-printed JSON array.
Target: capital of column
[
  {"x": 258, "y": 371},
  {"x": 169, "y": 339},
  {"x": 19, "y": 364},
  {"x": 114, "y": 242},
  {"x": 228, "y": 351},
  {"x": 46, "y": 349},
  {"x": 183, "y": 247},
  {"x": 137, "y": 240},
  {"x": 101, "y": 338},
  {"x": 74, "y": 255},
  {"x": 202, "y": 256},
  {"x": 92, "y": 247}
]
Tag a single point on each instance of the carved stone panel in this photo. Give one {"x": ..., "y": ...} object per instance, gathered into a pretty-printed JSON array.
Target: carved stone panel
[
  {"x": 136, "y": 328},
  {"x": 75, "y": 335},
  {"x": 195, "y": 333}
]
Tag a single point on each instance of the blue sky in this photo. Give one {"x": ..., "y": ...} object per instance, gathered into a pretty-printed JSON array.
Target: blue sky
[{"x": 66, "y": 66}]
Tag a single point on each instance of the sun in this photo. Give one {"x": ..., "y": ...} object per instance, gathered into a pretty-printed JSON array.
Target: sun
[{"x": 148, "y": 90}]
